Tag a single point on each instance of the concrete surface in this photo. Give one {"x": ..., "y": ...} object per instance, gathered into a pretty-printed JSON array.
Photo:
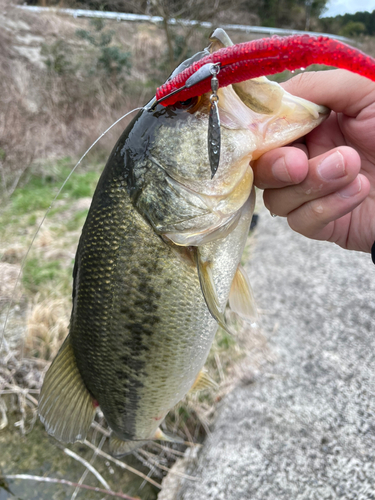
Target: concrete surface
[{"x": 305, "y": 429}]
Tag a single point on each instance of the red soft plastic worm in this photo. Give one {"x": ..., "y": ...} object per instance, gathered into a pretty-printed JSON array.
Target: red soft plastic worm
[{"x": 268, "y": 56}]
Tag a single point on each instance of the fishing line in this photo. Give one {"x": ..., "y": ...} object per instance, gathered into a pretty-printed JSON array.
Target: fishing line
[{"x": 3, "y": 342}]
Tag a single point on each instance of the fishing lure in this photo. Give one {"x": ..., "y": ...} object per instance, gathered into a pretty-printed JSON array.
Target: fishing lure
[
  {"x": 248, "y": 60},
  {"x": 264, "y": 57},
  {"x": 214, "y": 123}
]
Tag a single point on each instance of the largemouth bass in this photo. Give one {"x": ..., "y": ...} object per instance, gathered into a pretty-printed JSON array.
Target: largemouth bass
[{"x": 159, "y": 257}]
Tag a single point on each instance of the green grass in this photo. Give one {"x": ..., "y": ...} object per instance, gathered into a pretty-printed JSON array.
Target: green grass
[
  {"x": 39, "y": 273},
  {"x": 40, "y": 188},
  {"x": 47, "y": 269},
  {"x": 77, "y": 220},
  {"x": 82, "y": 185}
]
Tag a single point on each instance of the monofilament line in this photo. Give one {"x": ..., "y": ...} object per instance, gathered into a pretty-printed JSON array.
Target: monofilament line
[{"x": 2, "y": 339}]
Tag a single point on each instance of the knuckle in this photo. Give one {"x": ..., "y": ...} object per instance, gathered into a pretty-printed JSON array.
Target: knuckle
[
  {"x": 297, "y": 224},
  {"x": 273, "y": 206},
  {"x": 308, "y": 219}
]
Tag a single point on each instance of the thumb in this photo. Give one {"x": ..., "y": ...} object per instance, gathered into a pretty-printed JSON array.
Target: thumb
[{"x": 338, "y": 89}]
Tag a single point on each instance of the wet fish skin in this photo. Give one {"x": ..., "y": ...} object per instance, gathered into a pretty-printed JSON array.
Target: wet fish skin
[
  {"x": 156, "y": 261},
  {"x": 148, "y": 292},
  {"x": 140, "y": 327}
]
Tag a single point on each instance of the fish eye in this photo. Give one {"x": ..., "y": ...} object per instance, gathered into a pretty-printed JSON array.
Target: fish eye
[{"x": 189, "y": 104}]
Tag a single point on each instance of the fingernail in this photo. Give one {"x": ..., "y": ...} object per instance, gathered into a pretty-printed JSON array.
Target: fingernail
[
  {"x": 279, "y": 170},
  {"x": 351, "y": 190},
  {"x": 332, "y": 167}
]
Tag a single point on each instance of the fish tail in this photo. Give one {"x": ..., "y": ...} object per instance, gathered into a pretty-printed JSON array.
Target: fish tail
[{"x": 66, "y": 407}]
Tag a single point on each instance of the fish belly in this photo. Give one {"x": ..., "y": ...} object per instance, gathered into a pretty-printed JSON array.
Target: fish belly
[{"x": 140, "y": 328}]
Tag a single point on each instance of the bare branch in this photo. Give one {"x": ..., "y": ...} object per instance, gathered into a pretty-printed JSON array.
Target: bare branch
[
  {"x": 92, "y": 469},
  {"x": 86, "y": 471},
  {"x": 39, "y": 479},
  {"x": 153, "y": 460},
  {"x": 168, "y": 450},
  {"x": 3, "y": 411},
  {"x": 121, "y": 464}
]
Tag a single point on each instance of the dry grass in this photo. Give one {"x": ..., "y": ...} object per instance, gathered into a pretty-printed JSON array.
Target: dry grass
[
  {"x": 47, "y": 327},
  {"x": 15, "y": 153},
  {"x": 366, "y": 44},
  {"x": 45, "y": 113},
  {"x": 8, "y": 277}
]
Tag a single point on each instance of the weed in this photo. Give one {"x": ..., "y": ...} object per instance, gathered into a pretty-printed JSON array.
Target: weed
[
  {"x": 81, "y": 185},
  {"x": 31, "y": 198},
  {"x": 111, "y": 59},
  {"x": 57, "y": 57},
  {"x": 47, "y": 327},
  {"x": 77, "y": 220},
  {"x": 224, "y": 341},
  {"x": 32, "y": 220},
  {"x": 37, "y": 273}
]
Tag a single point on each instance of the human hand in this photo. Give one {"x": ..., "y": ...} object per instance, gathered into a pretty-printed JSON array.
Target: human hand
[{"x": 325, "y": 183}]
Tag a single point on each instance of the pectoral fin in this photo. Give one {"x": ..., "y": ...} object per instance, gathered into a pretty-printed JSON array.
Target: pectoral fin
[
  {"x": 241, "y": 297},
  {"x": 203, "y": 381},
  {"x": 65, "y": 406},
  {"x": 209, "y": 292}
]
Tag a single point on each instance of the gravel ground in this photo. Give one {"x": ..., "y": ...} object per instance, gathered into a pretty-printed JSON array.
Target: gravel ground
[{"x": 305, "y": 428}]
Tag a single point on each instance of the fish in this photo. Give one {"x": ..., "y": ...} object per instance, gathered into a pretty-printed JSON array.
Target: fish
[{"x": 159, "y": 259}]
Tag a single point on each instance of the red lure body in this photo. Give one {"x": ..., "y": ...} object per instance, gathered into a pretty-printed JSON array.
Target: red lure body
[{"x": 268, "y": 56}]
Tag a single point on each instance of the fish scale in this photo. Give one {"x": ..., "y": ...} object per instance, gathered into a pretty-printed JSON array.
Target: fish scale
[
  {"x": 146, "y": 265},
  {"x": 158, "y": 259}
]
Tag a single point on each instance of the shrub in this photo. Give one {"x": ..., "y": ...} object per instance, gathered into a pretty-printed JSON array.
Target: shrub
[{"x": 111, "y": 59}]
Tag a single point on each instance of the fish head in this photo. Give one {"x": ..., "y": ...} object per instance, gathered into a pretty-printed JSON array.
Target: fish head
[{"x": 180, "y": 199}]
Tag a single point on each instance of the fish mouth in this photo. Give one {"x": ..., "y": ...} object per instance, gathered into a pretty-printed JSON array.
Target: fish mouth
[
  {"x": 272, "y": 116},
  {"x": 263, "y": 107},
  {"x": 256, "y": 116}
]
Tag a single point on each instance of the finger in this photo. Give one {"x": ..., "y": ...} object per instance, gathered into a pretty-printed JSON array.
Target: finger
[
  {"x": 326, "y": 218},
  {"x": 327, "y": 136},
  {"x": 339, "y": 90},
  {"x": 280, "y": 167},
  {"x": 327, "y": 173}
]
